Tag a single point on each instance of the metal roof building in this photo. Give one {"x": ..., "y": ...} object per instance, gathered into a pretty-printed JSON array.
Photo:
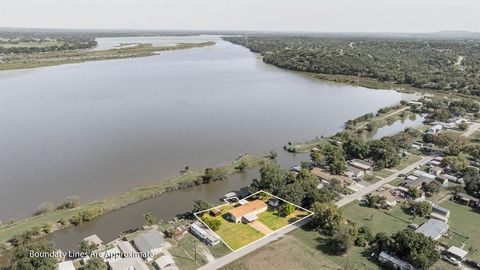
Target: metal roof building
[{"x": 433, "y": 228}]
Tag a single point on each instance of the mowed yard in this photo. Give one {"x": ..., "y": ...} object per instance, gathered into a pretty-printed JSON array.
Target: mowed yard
[
  {"x": 379, "y": 220},
  {"x": 237, "y": 235},
  {"x": 465, "y": 225}
]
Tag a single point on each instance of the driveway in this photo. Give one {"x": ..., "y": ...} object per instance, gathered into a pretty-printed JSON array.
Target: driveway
[{"x": 259, "y": 226}]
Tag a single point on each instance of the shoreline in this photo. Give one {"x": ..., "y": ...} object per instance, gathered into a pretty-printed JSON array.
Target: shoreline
[
  {"x": 46, "y": 59},
  {"x": 112, "y": 203}
]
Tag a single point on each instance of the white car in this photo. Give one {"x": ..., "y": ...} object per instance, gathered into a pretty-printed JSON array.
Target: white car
[{"x": 452, "y": 260}]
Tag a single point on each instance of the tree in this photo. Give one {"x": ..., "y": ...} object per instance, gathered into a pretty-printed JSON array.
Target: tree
[
  {"x": 432, "y": 187},
  {"x": 212, "y": 223},
  {"x": 201, "y": 205},
  {"x": 272, "y": 178},
  {"x": 421, "y": 209},
  {"x": 87, "y": 247},
  {"x": 287, "y": 209},
  {"x": 272, "y": 154},
  {"x": 22, "y": 260},
  {"x": 356, "y": 148},
  {"x": 416, "y": 248},
  {"x": 45, "y": 207},
  {"x": 341, "y": 242},
  {"x": 385, "y": 153},
  {"x": 328, "y": 217},
  {"x": 70, "y": 203},
  {"x": 474, "y": 151},
  {"x": 318, "y": 158},
  {"x": 213, "y": 175},
  {"x": 382, "y": 242},
  {"x": 463, "y": 126},
  {"x": 95, "y": 263},
  {"x": 375, "y": 201},
  {"x": 455, "y": 163},
  {"x": 414, "y": 192},
  {"x": 364, "y": 236},
  {"x": 149, "y": 218},
  {"x": 242, "y": 165},
  {"x": 472, "y": 183}
]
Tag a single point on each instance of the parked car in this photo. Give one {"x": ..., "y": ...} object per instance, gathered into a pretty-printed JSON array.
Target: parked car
[
  {"x": 452, "y": 260},
  {"x": 473, "y": 264}
]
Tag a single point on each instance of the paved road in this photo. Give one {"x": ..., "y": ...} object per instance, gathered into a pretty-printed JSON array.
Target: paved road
[
  {"x": 220, "y": 262},
  {"x": 359, "y": 194}
]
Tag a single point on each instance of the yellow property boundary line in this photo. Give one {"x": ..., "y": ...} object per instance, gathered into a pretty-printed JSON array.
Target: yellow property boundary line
[{"x": 261, "y": 191}]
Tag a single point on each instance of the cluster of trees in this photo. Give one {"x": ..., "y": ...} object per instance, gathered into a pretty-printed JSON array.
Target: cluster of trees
[
  {"x": 415, "y": 248},
  {"x": 441, "y": 109},
  {"x": 299, "y": 189},
  {"x": 48, "y": 207},
  {"x": 352, "y": 122},
  {"x": 386, "y": 59}
]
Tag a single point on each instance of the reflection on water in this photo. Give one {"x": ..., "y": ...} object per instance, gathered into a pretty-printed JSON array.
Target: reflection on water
[{"x": 412, "y": 120}]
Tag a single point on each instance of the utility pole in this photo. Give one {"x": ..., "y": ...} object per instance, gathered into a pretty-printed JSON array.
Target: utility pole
[{"x": 195, "y": 249}]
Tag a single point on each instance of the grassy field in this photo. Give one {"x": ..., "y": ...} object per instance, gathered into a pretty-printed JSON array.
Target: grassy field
[
  {"x": 382, "y": 221},
  {"x": 32, "y": 60},
  {"x": 119, "y": 201},
  {"x": 464, "y": 223},
  {"x": 274, "y": 221},
  {"x": 43, "y": 43},
  {"x": 408, "y": 160},
  {"x": 237, "y": 235}
]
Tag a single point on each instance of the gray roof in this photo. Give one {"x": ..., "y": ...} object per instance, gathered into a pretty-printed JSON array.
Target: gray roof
[
  {"x": 433, "y": 228},
  {"x": 385, "y": 257},
  {"x": 149, "y": 241},
  {"x": 418, "y": 182},
  {"x": 440, "y": 210}
]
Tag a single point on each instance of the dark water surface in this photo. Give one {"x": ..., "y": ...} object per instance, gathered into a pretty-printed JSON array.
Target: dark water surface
[{"x": 99, "y": 128}]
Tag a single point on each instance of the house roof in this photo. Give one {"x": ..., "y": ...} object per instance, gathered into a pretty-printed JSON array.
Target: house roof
[
  {"x": 323, "y": 174},
  {"x": 440, "y": 210},
  {"x": 433, "y": 228},
  {"x": 164, "y": 261},
  {"x": 361, "y": 164},
  {"x": 250, "y": 217},
  {"x": 94, "y": 239},
  {"x": 66, "y": 265},
  {"x": 418, "y": 182},
  {"x": 249, "y": 207},
  {"x": 126, "y": 247},
  {"x": 394, "y": 260},
  {"x": 149, "y": 241},
  {"x": 457, "y": 251},
  {"x": 128, "y": 264},
  {"x": 467, "y": 197}
]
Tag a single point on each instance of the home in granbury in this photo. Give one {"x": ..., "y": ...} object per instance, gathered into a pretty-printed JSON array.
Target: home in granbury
[
  {"x": 466, "y": 199},
  {"x": 363, "y": 165},
  {"x": 150, "y": 242},
  {"x": 433, "y": 228},
  {"x": 247, "y": 212},
  {"x": 353, "y": 172}
]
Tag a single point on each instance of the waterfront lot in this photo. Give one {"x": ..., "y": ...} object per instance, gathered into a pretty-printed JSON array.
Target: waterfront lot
[{"x": 271, "y": 219}]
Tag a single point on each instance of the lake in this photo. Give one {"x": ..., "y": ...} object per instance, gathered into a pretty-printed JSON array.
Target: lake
[{"x": 99, "y": 128}]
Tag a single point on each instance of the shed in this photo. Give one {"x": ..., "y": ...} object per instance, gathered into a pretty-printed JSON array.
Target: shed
[
  {"x": 457, "y": 252},
  {"x": 215, "y": 212},
  {"x": 397, "y": 263}
]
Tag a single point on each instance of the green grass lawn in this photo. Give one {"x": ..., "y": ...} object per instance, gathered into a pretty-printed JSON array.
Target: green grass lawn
[
  {"x": 408, "y": 160},
  {"x": 272, "y": 220},
  {"x": 397, "y": 182},
  {"x": 237, "y": 235},
  {"x": 383, "y": 221},
  {"x": 358, "y": 257},
  {"x": 465, "y": 225}
]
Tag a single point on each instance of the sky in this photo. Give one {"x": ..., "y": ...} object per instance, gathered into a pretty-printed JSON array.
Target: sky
[{"x": 256, "y": 15}]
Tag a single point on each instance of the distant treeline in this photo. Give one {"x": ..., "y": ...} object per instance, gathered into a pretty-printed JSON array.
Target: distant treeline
[{"x": 441, "y": 64}]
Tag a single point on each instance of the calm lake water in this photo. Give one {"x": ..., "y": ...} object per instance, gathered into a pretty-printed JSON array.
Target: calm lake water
[{"x": 95, "y": 129}]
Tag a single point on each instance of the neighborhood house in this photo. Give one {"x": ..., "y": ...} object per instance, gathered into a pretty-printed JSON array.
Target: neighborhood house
[
  {"x": 433, "y": 228},
  {"x": 247, "y": 212},
  {"x": 150, "y": 242}
]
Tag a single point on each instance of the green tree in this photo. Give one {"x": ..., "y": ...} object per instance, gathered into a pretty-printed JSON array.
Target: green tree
[
  {"x": 414, "y": 192},
  {"x": 272, "y": 178},
  {"x": 272, "y": 154},
  {"x": 70, "y": 203},
  {"x": 328, "y": 217},
  {"x": 356, "y": 148},
  {"x": 241, "y": 166},
  {"x": 87, "y": 247},
  {"x": 385, "y": 153},
  {"x": 95, "y": 263},
  {"x": 149, "y": 218},
  {"x": 201, "y": 205},
  {"x": 212, "y": 223},
  {"x": 416, "y": 248},
  {"x": 432, "y": 187},
  {"x": 287, "y": 209},
  {"x": 376, "y": 201},
  {"x": 44, "y": 208},
  {"x": 455, "y": 163},
  {"x": 21, "y": 259},
  {"x": 421, "y": 209},
  {"x": 318, "y": 158},
  {"x": 341, "y": 242}
]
